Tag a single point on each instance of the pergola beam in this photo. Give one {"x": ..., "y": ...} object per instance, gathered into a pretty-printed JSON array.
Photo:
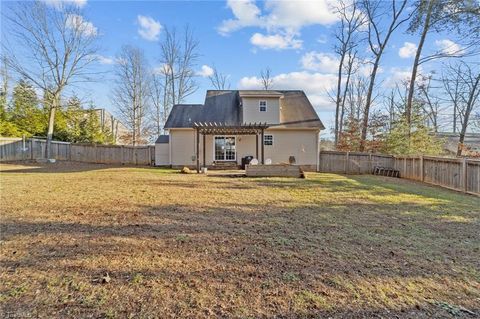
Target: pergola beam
[{"x": 212, "y": 128}]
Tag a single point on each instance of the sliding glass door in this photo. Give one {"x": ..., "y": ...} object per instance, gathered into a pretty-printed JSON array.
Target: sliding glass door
[{"x": 225, "y": 149}]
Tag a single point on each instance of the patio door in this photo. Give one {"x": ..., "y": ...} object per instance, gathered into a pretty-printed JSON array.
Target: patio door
[{"x": 225, "y": 148}]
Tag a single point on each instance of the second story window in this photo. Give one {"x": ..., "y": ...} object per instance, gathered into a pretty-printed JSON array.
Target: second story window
[{"x": 263, "y": 106}]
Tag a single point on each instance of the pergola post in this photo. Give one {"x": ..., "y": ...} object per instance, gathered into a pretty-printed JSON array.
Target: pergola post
[
  {"x": 204, "y": 156},
  {"x": 198, "y": 149},
  {"x": 256, "y": 146},
  {"x": 263, "y": 146}
]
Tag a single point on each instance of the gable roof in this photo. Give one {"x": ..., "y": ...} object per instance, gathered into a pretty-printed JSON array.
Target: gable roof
[{"x": 223, "y": 106}]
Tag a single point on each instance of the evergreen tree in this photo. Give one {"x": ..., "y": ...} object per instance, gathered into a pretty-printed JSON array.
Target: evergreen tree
[
  {"x": 415, "y": 138},
  {"x": 91, "y": 129},
  {"x": 25, "y": 113}
]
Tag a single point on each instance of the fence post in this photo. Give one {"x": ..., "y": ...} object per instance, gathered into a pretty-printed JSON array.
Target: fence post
[
  {"x": 149, "y": 156},
  {"x": 422, "y": 178},
  {"x": 405, "y": 166},
  {"x": 464, "y": 174},
  {"x": 370, "y": 162},
  {"x": 319, "y": 159},
  {"x": 24, "y": 147},
  {"x": 347, "y": 162}
]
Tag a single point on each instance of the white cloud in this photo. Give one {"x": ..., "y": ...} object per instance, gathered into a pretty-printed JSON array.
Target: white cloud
[
  {"x": 321, "y": 62},
  {"x": 315, "y": 85},
  {"x": 449, "y": 47},
  {"x": 276, "y": 41},
  {"x": 297, "y": 14},
  {"x": 397, "y": 76},
  {"x": 286, "y": 15},
  {"x": 206, "y": 71},
  {"x": 59, "y": 3},
  {"x": 149, "y": 28},
  {"x": 105, "y": 59},
  {"x": 76, "y": 22},
  {"x": 408, "y": 50}
]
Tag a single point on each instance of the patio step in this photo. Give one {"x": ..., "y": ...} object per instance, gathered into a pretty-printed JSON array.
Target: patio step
[{"x": 224, "y": 165}]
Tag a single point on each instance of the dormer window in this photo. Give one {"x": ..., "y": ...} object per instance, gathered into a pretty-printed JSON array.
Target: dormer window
[{"x": 262, "y": 106}]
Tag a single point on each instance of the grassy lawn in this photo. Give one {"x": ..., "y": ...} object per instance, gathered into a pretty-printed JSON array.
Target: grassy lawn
[{"x": 96, "y": 241}]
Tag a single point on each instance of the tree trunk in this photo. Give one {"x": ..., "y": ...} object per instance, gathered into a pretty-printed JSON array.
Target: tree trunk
[
  {"x": 51, "y": 124},
  {"x": 368, "y": 102},
  {"x": 344, "y": 97},
  {"x": 454, "y": 119},
  {"x": 468, "y": 110},
  {"x": 337, "y": 102},
  {"x": 411, "y": 89}
]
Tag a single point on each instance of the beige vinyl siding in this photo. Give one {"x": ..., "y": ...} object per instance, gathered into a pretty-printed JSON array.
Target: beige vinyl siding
[
  {"x": 252, "y": 114},
  {"x": 286, "y": 142},
  {"x": 182, "y": 146},
  {"x": 162, "y": 154},
  {"x": 245, "y": 145},
  {"x": 299, "y": 143}
]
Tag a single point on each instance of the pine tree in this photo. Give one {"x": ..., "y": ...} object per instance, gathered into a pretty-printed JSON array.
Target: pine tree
[
  {"x": 91, "y": 129},
  {"x": 25, "y": 113}
]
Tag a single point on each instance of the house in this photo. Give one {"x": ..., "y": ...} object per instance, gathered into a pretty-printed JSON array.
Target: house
[{"x": 271, "y": 126}]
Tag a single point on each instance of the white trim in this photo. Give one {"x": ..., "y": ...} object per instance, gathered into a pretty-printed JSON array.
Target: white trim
[
  {"x": 317, "y": 137},
  {"x": 265, "y": 135},
  {"x": 259, "y": 106},
  {"x": 170, "y": 148},
  {"x": 213, "y": 148}
]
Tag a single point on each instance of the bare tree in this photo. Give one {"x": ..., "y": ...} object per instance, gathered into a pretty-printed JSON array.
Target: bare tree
[
  {"x": 219, "y": 80},
  {"x": 132, "y": 92},
  {"x": 350, "y": 21},
  {"x": 355, "y": 98},
  {"x": 429, "y": 102},
  {"x": 54, "y": 47},
  {"x": 443, "y": 15},
  {"x": 157, "y": 101},
  {"x": 266, "y": 78},
  {"x": 376, "y": 11},
  {"x": 453, "y": 87},
  {"x": 160, "y": 98},
  {"x": 179, "y": 54},
  {"x": 467, "y": 78},
  {"x": 4, "y": 88}
]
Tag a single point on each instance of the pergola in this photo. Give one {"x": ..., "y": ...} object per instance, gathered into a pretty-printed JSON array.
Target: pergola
[{"x": 218, "y": 128}]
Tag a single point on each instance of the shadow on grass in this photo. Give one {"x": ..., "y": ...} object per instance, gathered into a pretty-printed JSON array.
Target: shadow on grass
[
  {"x": 72, "y": 167},
  {"x": 360, "y": 257}
]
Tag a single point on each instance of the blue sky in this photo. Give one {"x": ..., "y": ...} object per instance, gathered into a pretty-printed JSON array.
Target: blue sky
[{"x": 293, "y": 39}]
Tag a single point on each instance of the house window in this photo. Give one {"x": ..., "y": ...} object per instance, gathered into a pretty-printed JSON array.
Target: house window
[
  {"x": 225, "y": 148},
  {"x": 263, "y": 106},
  {"x": 268, "y": 140}
]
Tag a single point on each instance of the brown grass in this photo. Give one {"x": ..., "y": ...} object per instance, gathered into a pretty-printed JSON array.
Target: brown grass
[{"x": 194, "y": 246}]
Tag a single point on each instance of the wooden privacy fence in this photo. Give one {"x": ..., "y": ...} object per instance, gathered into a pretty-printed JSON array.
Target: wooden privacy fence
[
  {"x": 353, "y": 162},
  {"x": 460, "y": 174},
  {"x": 14, "y": 149},
  {"x": 455, "y": 173}
]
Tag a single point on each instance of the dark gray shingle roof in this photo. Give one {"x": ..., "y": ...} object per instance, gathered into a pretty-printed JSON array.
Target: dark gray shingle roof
[
  {"x": 162, "y": 139},
  {"x": 223, "y": 106}
]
